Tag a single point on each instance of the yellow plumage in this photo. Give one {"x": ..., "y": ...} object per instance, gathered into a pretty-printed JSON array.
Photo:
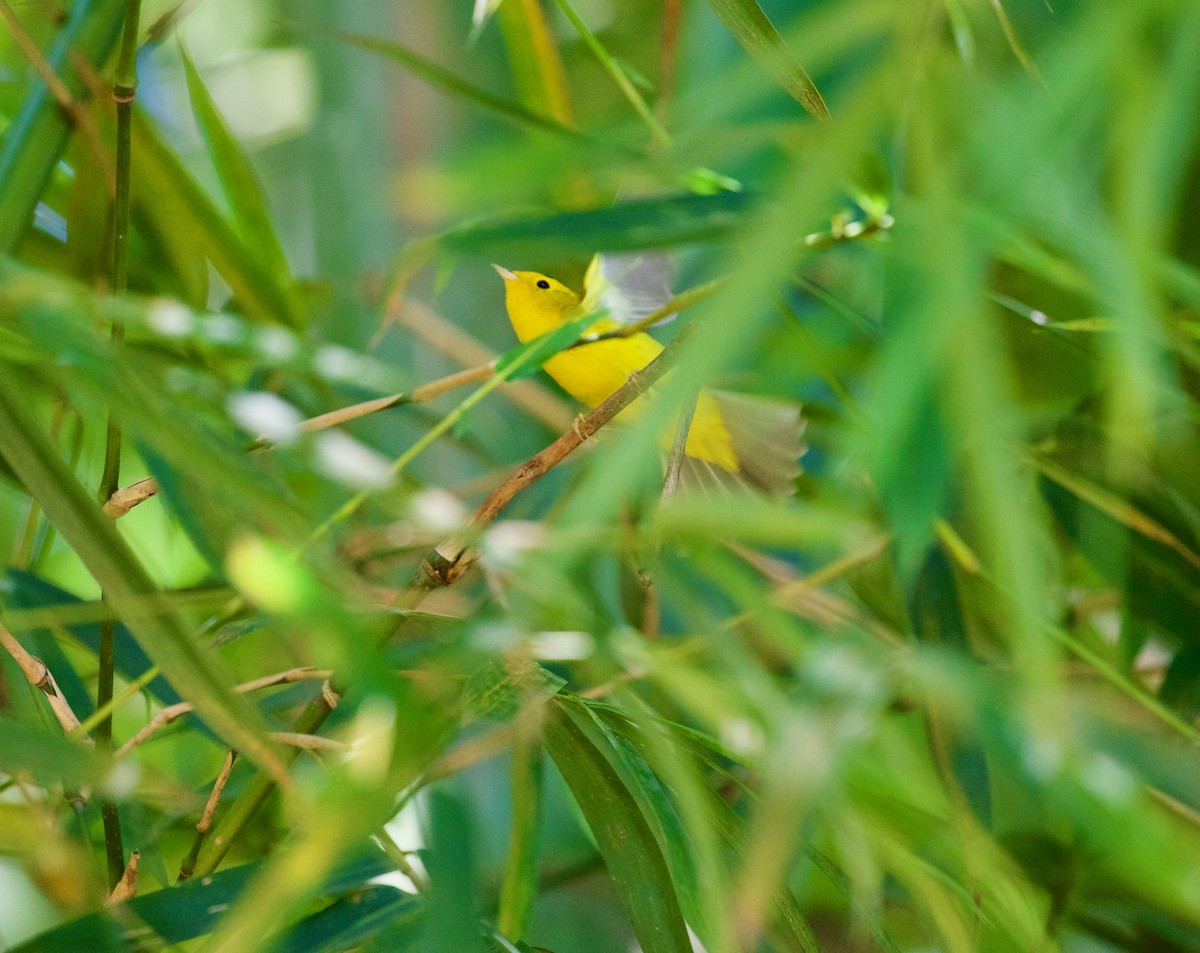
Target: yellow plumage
[{"x": 592, "y": 372}]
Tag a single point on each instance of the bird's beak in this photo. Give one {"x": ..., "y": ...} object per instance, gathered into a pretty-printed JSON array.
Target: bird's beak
[{"x": 504, "y": 272}]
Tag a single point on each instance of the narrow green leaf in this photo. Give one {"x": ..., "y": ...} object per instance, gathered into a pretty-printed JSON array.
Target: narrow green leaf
[
  {"x": 169, "y": 194},
  {"x": 48, "y": 756},
  {"x": 632, "y": 854},
  {"x": 525, "y": 359},
  {"x": 745, "y": 20},
  {"x": 194, "y": 671},
  {"x": 1114, "y": 506},
  {"x": 184, "y": 912},
  {"x": 452, "y": 922},
  {"x": 521, "y": 872},
  {"x": 441, "y": 78},
  {"x": 630, "y": 226},
  {"x": 349, "y": 921},
  {"x": 537, "y": 67},
  {"x": 242, "y": 189},
  {"x": 614, "y": 69}
]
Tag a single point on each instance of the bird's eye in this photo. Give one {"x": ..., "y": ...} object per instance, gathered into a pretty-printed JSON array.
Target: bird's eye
[{"x": 543, "y": 283}]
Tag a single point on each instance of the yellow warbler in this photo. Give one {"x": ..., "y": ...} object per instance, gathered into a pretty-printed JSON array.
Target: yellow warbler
[{"x": 733, "y": 438}]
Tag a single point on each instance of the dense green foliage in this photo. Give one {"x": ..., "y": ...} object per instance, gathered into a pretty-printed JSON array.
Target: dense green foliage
[{"x": 945, "y": 697}]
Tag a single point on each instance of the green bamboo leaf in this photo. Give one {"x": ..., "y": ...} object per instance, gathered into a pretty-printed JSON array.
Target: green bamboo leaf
[
  {"x": 48, "y": 756},
  {"x": 537, "y": 67},
  {"x": 745, "y": 20},
  {"x": 452, "y": 921},
  {"x": 24, "y": 590},
  {"x": 590, "y": 766},
  {"x": 520, "y": 885},
  {"x": 35, "y": 139},
  {"x": 614, "y": 69},
  {"x": 242, "y": 189},
  {"x": 1114, "y": 506},
  {"x": 630, "y": 226},
  {"x": 185, "y": 912},
  {"x": 179, "y": 206},
  {"x": 450, "y": 83},
  {"x": 349, "y": 921},
  {"x": 194, "y": 671},
  {"x": 525, "y": 359}
]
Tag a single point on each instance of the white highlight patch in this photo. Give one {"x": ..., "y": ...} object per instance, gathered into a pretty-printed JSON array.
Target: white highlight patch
[
  {"x": 337, "y": 363},
  {"x": 504, "y": 543},
  {"x": 266, "y": 415},
  {"x": 340, "y": 457},
  {"x": 276, "y": 344},
  {"x": 562, "y": 646},
  {"x": 437, "y": 510},
  {"x": 223, "y": 329},
  {"x": 170, "y": 319},
  {"x": 122, "y": 780}
]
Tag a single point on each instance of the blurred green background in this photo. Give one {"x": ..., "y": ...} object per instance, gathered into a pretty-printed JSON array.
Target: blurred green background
[{"x": 943, "y": 697}]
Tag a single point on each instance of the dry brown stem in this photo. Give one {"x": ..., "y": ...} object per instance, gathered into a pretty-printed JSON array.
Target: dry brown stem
[
  {"x": 452, "y": 558},
  {"x": 41, "y": 678},
  {"x": 173, "y": 712},
  {"x": 126, "y": 888}
]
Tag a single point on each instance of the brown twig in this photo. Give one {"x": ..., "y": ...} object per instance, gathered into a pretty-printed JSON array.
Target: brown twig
[
  {"x": 452, "y": 558},
  {"x": 205, "y": 823},
  {"x": 41, "y": 678},
  {"x": 126, "y": 498},
  {"x": 126, "y": 888},
  {"x": 455, "y": 343},
  {"x": 668, "y": 57},
  {"x": 307, "y": 742},
  {"x": 173, "y": 712}
]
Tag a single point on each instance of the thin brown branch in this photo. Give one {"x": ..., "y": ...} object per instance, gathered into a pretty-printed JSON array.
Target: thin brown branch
[
  {"x": 126, "y": 498},
  {"x": 668, "y": 57},
  {"x": 41, "y": 678},
  {"x": 173, "y": 712},
  {"x": 452, "y": 558},
  {"x": 416, "y": 396},
  {"x": 81, "y": 117},
  {"x": 205, "y": 823},
  {"x": 456, "y": 344},
  {"x": 307, "y": 742}
]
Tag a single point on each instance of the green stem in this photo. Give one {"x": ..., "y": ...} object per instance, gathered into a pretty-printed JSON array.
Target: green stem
[
  {"x": 124, "y": 91},
  {"x": 255, "y": 794},
  {"x": 613, "y": 68}
]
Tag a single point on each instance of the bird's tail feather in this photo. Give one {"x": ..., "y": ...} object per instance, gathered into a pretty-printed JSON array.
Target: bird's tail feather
[{"x": 767, "y": 439}]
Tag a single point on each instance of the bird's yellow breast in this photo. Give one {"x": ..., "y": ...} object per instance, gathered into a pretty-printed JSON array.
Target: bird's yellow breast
[{"x": 592, "y": 372}]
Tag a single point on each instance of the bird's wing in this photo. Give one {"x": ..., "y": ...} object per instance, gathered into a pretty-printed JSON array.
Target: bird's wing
[{"x": 630, "y": 286}]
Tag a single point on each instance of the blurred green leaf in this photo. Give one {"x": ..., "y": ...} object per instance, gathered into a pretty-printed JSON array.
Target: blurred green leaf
[
  {"x": 160, "y": 629},
  {"x": 628, "y": 226},
  {"x": 757, "y": 35},
  {"x": 242, "y": 189},
  {"x": 24, "y": 590},
  {"x": 166, "y": 191},
  {"x": 632, "y": 854},
  {"x": 441, "y": 78},
  {"x": 190, "y": 910}
]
